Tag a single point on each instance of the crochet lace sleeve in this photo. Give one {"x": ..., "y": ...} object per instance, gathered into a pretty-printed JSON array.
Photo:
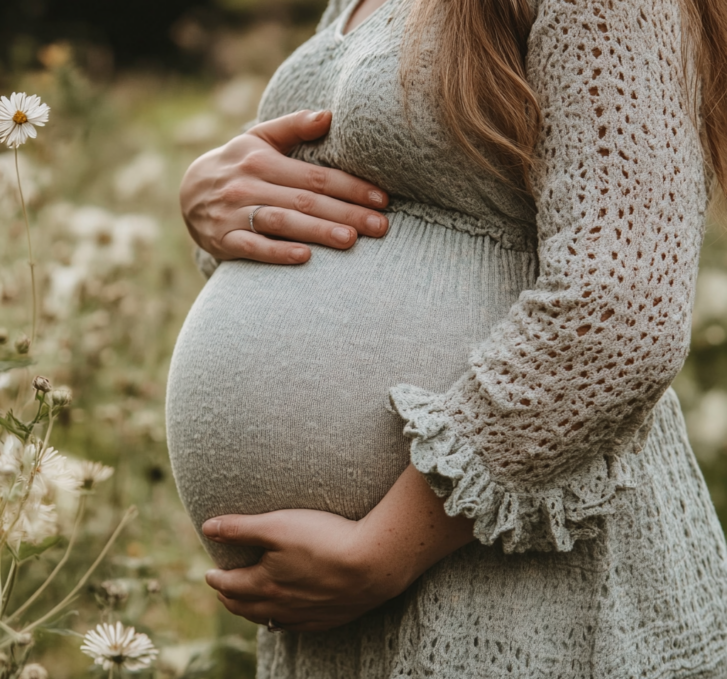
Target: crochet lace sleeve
[{"x": 535, "y": 440}]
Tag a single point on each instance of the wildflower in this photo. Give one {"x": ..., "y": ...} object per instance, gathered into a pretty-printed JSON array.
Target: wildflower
[
  {"x": 153, "y": 587},
  {"x": 19, "y": 116},
  {"x": 89, "y": 473},
  {"x": 116, "y": 646},
  {"x": 111, "y": 593},
  {"x": 34, "y": 671},
  {"x": 3, "y": 335},
  {"x": 36, "y": 523},
  {"x": 61, "y": 397},
  {"x": 11, "y": 456},
  {"x": 42, "y": 384},
  {"x": 53, "y": 471},
  {"x": 22, "y": 344}
]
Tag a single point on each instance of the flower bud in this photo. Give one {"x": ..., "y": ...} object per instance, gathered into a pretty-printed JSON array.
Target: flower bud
[
  {"x": 61, "y": 397},
  {"x": 34, "y": 671},
  {"x": 3, "y": 335},
  {"x": 42, "y": 384},
  {"x": 24, "y": 639},
  {"x": 22, "y": 344}
]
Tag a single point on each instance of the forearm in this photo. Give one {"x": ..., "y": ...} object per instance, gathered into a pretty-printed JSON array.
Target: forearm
[{"x": 408, "y": 531}]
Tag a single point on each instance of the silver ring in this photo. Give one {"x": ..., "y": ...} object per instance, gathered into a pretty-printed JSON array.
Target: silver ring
[
  {"x": 272, "y": 625},
  {"x": 251, "y": 218}
]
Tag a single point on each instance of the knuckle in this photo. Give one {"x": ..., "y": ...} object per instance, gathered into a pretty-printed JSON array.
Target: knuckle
[
  {"x": 253, "y": 163},
  {"x": 304, "y": 202},
  {"x": 234, "y": 194},
  {"x": 317, "y": 179},
  {"x": 275, "y": 219}
]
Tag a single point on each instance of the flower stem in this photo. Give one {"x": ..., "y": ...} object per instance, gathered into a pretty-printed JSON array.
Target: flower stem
[
  {"x": 60, "y": 564},
  {"x": 9, "y": 584},
  {"x": 31, "y": 261},
  {"x": 111, "y": 672},
  {"x": 128, "y": 516}
]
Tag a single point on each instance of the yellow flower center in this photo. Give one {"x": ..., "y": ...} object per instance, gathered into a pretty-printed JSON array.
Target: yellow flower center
[{"x": 20, "y": 118}]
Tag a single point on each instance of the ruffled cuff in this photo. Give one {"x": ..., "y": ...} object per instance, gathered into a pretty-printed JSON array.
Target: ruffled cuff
[{"x": 542, "y": 519}]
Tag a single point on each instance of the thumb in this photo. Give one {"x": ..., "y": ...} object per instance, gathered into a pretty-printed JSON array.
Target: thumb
[
  {"x": 255, "y": 530},
  {"x": 286, "y": 132}
]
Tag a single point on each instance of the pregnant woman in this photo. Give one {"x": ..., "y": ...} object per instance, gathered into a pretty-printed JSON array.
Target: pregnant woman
[{"x": 421, "y": 410}]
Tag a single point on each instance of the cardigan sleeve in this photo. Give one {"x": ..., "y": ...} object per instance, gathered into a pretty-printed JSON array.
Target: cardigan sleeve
[{"x": 535, "y": 441}]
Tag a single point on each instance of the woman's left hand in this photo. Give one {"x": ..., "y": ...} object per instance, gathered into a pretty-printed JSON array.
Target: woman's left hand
[{"x": 314, "y": 575}]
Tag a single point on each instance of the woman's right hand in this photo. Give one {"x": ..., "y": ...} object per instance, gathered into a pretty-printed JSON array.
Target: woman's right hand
[{"x": 304, "y": 203}]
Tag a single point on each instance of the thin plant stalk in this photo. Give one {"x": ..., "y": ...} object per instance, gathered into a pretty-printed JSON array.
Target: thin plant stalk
[
  {"x": 9, "y": 584},
  {"x": 59, "y": 565},
  {"x": 128, "y": 516},
  {"x": 31, "y": 261}
]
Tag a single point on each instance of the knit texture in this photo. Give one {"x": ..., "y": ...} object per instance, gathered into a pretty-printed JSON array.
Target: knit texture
[{"x": 541, "y": 336}]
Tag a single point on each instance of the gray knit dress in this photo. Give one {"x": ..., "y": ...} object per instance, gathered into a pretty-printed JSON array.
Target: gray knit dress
[{"x": 533, "y": 342}]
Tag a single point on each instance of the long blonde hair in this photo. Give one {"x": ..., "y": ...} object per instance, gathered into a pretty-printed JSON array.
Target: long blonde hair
[{"x": 479, "y": 72}]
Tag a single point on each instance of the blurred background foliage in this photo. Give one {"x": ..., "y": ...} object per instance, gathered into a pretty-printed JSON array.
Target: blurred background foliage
[{"x": 138, "y": 90}]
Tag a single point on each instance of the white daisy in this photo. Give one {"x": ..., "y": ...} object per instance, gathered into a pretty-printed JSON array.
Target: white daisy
[
  {"x": 89, "y": 473},
  {"x": 19, "y": 116},
  {"x": 36, "y": 523},
  {"x": 116, "y": 646},
  {"x": 53, "y": 471}
]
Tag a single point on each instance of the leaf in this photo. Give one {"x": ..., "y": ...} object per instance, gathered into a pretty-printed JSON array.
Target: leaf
[
  {"x": 34, "y": 551},
  {"x": 11, "y": 364},
  {"x": 15, "y": 426},
  {"x": 60, "y": 626}
]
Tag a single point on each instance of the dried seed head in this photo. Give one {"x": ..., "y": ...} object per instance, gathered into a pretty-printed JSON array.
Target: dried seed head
[
  {"x": 22, "y": 344},
  {"x": 42, "y": 384},
  {"x": 153, "y": 587}
]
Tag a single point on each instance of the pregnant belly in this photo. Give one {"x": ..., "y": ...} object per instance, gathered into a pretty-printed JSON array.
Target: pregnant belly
[{"x": 278, "y": 389}]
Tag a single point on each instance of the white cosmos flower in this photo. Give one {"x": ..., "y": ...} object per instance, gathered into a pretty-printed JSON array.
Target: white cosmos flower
[
  {"x": 19, "y": 117},
  {"x": 116, "y": 646}
]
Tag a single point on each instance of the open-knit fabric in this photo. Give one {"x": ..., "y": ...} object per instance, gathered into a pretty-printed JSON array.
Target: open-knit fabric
[
  {"x": 532, "y": 441},
  {"x": 599, "y": 554}
]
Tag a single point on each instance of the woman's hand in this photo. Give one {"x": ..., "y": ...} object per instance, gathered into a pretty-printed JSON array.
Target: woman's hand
[
  {"x": 314, "y": 574},
  {"x": 307, "y": 203},
  {"x": 320, "y": 570}
]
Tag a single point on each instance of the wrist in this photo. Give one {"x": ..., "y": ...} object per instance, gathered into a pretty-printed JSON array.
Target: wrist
[{"x": 384, "y": 569}]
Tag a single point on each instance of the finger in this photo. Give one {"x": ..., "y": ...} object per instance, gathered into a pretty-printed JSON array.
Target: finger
[
  {"x": 261, "y": 614},
  {"x": 298, "y": 174},
  {"x": 251, "y": 530},
  {"x": 365, "y": 221},
  {"x": 243, "y": 244},
  {"x": 283, "y": 223},
  {"x": 240, "y": 584},
  {"x": 288, "y": 131}
]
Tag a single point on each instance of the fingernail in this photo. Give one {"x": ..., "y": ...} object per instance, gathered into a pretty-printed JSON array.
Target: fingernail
[
  {"x": 211, "y": 528},
  {"x": 376, "y": 224},
  {"x": 376, "y": 197},
  {"x": 341, "y": 234},
  {"x": 298, "y": 254},
  {"x": 211, "y": 574},
  {"x": 317, "y": 116}
]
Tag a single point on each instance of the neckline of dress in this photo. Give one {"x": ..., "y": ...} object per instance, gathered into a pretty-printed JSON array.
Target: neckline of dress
[{"x": 346, "y": 16}]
